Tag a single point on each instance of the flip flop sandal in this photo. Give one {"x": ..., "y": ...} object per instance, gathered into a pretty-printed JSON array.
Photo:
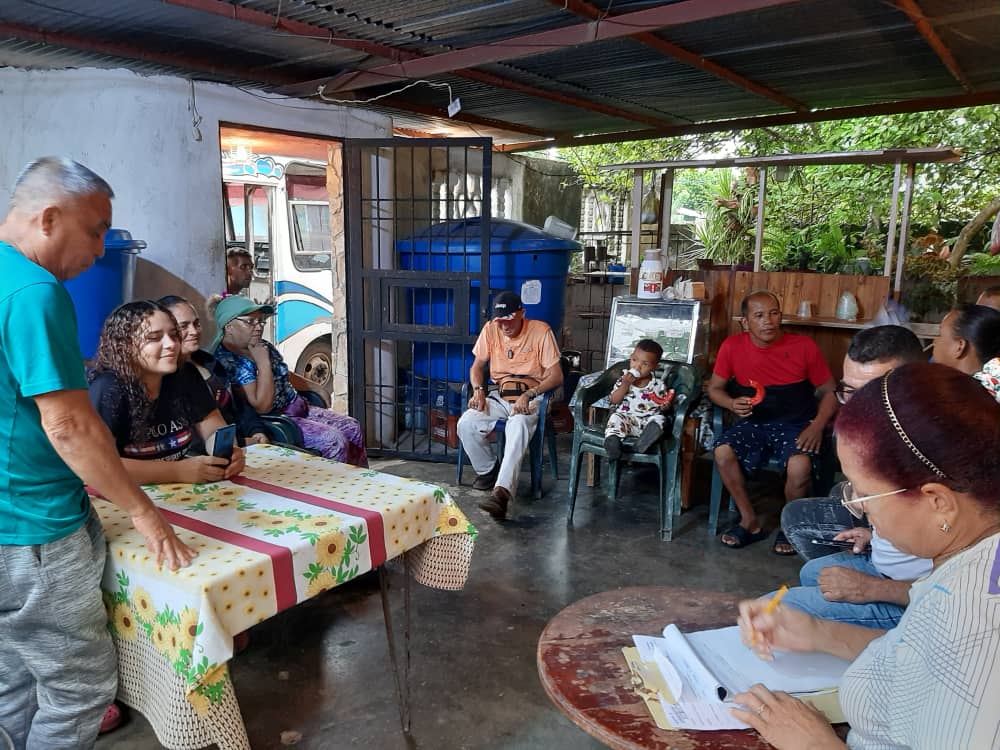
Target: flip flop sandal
[
  {"x": 742, "y": 536},
  {"x": 113, "y": 718},
  {"x": 780, "y": 538}
]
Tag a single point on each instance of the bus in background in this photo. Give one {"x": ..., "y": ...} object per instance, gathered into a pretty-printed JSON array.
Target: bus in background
[{"x": 287, "y": 233}]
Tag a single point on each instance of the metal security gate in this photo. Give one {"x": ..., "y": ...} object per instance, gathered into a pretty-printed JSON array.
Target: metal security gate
[{"x": 418, "y": 222}]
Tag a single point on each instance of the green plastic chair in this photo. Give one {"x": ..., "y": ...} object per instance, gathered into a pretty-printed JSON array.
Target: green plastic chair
[{"x": 593, "y": 391}]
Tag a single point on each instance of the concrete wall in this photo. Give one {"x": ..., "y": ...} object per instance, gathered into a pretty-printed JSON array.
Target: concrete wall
[
  {"x": 137, "y": 133},
  {"x": 550, "y": 189}
]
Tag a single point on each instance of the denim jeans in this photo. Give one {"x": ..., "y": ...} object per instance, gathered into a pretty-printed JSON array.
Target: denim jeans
[
  {"x": 816, "y": 518},
  {"x": 809, "y": 598}
]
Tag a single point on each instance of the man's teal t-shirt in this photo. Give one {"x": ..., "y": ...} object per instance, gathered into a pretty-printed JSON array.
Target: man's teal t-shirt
[{"x": 41, "y": 499}]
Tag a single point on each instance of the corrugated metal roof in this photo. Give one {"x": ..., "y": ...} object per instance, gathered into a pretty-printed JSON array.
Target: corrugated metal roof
[{"x": 821, "y": 53}]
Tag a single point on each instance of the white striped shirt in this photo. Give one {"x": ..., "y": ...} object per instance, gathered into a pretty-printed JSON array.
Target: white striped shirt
[{"x": 933, "y": 681}]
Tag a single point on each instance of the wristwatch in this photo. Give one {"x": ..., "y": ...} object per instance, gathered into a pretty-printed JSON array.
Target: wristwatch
[{"x": 479, "y": 387}]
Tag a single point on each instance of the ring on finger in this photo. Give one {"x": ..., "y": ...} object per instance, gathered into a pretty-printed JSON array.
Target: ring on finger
[{"x": 760, "y": 711}]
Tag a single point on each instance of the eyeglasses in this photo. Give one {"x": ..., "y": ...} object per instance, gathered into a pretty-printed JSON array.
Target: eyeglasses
[
  {"x": 252, "y": 322},
  {"x": 843, "y": 392},
  {"x": 854, "y": 504}
]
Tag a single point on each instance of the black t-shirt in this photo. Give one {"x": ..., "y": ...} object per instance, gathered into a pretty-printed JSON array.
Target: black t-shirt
[{"x": 166, "y": 429}]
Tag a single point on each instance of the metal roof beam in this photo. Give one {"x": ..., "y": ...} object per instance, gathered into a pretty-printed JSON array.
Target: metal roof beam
[
  {"x": 927, "y": 31},
  {"x": 877, "y": 156},
  {"x": 189, "y": 64},
  {"x": 328, "y": 36},
  {"x": 790, "y": 118},
  {"x": 669, "y": 49},
  {"x": 530, "y": 45},
  {"x": 486, "y": 122},
  {"x": 114, "y": 49}
]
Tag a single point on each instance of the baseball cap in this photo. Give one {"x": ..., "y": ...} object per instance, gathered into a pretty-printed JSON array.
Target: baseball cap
[
  {"x": 233, "y": 306},
  {"x": 505, "y": 305}
]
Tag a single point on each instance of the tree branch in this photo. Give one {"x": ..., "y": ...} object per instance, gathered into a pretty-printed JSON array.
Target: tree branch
[{"x": 970, "y": 229}]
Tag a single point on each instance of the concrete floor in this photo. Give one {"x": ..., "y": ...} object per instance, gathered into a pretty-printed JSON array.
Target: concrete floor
[{"x": 322, "y": 668}]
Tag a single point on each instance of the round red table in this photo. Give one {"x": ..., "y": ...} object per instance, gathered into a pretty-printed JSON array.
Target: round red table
[{"x": 582, "y": 668}]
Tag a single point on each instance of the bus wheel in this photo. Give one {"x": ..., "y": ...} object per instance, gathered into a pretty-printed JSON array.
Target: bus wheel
[{"x": 316, "y": 364}]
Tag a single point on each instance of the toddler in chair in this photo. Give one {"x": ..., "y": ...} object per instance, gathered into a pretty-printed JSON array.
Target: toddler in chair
[{"x": 640, "y": 398}]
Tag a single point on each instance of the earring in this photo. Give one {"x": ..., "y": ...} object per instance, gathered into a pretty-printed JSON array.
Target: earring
[{"x": 945, "y": 527}]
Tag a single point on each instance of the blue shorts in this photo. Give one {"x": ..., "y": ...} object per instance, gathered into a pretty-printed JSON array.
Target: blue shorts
[{"x": 757, "y": 443}]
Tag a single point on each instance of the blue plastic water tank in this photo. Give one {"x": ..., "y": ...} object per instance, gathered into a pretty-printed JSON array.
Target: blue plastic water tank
[
  {"x": 524, "y": 258},
  {"x": 104, "y": 286}
]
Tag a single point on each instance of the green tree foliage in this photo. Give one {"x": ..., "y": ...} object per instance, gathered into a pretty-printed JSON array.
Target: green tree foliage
[{"x": 946, "y": 195}]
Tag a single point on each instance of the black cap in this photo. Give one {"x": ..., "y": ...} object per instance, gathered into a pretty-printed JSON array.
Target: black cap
[{"x": 505, "y": 305}]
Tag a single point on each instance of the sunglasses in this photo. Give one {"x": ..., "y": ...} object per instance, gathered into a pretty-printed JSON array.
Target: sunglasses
[{"x": 251, "y": 322}]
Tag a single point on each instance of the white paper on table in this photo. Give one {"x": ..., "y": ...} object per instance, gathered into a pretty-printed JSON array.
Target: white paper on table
[
  {"x": 699, "y": 682},
  {"x": 701, "y": 715},
  {"x": 737, "y": 667},
  {"x": 653, "y": 650}
]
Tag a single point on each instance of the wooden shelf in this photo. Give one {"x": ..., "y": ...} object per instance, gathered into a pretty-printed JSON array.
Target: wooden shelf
[
  {"x": 922, "y": 330},
  {"x": 821, "y": 322}
]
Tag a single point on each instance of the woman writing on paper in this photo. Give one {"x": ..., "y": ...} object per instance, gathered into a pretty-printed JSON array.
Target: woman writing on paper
[{"x": 933, "y": 681}]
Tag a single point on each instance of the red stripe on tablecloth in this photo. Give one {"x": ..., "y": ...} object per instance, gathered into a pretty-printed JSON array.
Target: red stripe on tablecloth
[
  {"x": 376, "y": 526},
  {"x": 281, "y": 557}
]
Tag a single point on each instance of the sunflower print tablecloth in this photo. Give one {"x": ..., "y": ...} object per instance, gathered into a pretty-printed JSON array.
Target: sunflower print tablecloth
[{"x": 290, "y": 527}]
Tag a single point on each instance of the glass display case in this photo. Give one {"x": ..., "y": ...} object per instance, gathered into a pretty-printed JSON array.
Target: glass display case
[{"x": 679, "y": 326}]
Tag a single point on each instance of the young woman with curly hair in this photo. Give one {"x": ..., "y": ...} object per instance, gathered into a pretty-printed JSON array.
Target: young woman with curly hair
[{"x": 160, "y": 415}]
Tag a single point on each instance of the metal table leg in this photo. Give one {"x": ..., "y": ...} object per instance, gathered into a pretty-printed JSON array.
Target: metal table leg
[{"x": 402, "y": 684}]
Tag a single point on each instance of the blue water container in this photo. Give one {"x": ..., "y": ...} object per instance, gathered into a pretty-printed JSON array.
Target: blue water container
[
  {"x": 104, "y": 286},
  {"x": 523, "y": 258}
]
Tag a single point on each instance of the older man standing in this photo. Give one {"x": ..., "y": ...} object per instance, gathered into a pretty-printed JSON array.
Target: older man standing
[
  {"x": 57, "y": 663},
  {"x": 524, "y": 363}
]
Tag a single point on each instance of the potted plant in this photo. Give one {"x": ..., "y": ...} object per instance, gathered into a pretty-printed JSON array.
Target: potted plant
[{"x": 726, "y": 236}]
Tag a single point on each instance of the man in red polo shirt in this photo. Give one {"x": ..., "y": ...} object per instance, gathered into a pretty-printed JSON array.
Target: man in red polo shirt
[{"x": 787, "y": 423}]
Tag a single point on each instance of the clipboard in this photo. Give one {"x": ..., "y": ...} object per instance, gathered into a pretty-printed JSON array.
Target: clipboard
[{"x": 648, "y": 684}]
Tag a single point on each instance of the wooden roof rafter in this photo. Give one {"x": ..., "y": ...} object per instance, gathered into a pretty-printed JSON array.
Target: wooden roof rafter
[{"x": 928, "y": 32}]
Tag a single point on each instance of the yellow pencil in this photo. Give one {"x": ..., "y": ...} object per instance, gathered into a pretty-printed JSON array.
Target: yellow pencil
[
  {"x": 776, "y": 599},
  {"x": 772, "y": 605}
]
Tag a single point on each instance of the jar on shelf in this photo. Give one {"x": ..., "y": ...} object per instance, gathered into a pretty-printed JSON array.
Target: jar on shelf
[{"x": 651, "y": 275}]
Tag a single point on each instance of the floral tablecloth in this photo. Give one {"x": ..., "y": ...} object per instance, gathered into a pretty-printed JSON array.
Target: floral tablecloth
[{"x": 290, "y": 527}]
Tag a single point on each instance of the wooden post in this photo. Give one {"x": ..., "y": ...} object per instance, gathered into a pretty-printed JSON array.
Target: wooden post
[
  {"x": 904, "y": 229},
  {"x": 666, "y": 209},
  {"x": 759, "y": 239},
  {"x": 890, "y": 241},
  {"x": 637, "y": 178}
]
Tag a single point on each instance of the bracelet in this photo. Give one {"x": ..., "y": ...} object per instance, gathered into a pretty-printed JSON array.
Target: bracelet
[{"x": 479, "y": 387}]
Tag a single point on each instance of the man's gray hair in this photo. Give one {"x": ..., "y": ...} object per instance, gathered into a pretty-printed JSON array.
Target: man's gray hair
[{"x": 52, "y": 178}]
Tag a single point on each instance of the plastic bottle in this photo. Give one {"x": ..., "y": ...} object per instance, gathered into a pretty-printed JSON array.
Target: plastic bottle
[
  {"x": 847, "y": 307},
  {"x": 651, "y": 275}
]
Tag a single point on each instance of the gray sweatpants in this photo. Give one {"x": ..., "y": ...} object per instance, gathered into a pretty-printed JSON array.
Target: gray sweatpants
[{"x": 58, "y": 666}]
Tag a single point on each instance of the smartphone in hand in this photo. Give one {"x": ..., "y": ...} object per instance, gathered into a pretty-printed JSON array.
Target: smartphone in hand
[
  {"x": 833, "y": 543},
  {"x": 223, "y": 442}
]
